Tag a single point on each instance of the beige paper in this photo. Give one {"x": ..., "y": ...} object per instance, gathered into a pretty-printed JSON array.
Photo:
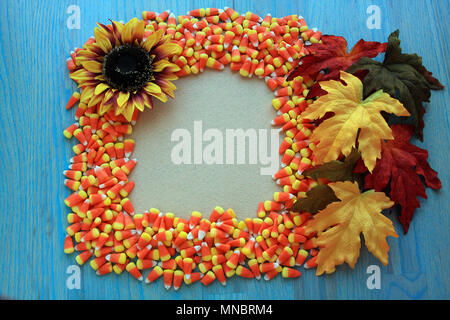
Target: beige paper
[{"x": 222, "y": 100}]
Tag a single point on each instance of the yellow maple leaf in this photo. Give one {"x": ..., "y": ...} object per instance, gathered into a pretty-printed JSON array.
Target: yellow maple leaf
[
  {"x": 340, "y": 224},
  {"x": 339, "y": 133}
]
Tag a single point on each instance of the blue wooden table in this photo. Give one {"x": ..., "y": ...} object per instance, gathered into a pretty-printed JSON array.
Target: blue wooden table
[{"x": 35, "y": 86}]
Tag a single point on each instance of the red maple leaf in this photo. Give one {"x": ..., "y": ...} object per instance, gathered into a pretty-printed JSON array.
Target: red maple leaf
[
  {"x": 401, "y": 166},
  {"x": 331, "y": 56}
]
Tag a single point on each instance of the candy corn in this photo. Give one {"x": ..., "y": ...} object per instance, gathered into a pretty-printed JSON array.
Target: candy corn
[{"x": 103, "y": 222}]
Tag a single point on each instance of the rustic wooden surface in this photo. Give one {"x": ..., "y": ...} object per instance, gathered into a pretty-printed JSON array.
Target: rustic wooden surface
[{"x": 35, "y": 87}]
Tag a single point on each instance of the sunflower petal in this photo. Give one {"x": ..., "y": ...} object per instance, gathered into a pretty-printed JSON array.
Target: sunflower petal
[
  {"x": 127, "y": 33},
  {"x": 171, "y": 68},
  {"x": 167, "y": 87},
  {"x": 138, "y": 102},
  {"x": 123, "y": 98},
  {"x": 158, "y": 66},
  {"x": 104, "y": 108},
  {"x": 165, "y": 50},
  {"x": 152, "y": 87},
  {"x": 138, "y": 32},
  {"x": 128, "y": 111},
  {"x": 152, "y": 40},
  {"x": 86, "y": 94},
  {"x": 117, "y": 31},
  {"x": 109, "y": 98},
  {"x": 82, "y": 75},
  {"x": 102, "y": 40},
  {"x": 147, "y": 99},
  {"x": 100, "y": 88},
  {"x": 95, "y": 100},
  {"x": 167, "y": 76},
  {"x": 92, "y": 66},
  {"x": 160, "y": 96}
]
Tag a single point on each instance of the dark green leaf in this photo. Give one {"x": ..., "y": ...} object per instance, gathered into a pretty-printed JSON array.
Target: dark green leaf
[
  {"x": 336, "y": 170},
  {"x": 402, "y": 76},
  {"x": 318, "y": 198}
]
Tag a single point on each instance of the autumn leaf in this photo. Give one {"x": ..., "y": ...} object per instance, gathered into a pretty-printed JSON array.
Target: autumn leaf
[
  {"x": 340, "y": 225},
  {"x": 400, "y": 168},
  {"x": 316, "y": 199},
  {"x": 336, "y": 170},
  {"x": 354, "y": 120},
  {"x": 402, "y": 76},
  {"x": 317, "y": 91},
  {"x": 331, "y": 56}
]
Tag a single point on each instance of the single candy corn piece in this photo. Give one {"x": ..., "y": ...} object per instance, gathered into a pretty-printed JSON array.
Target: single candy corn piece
[
  {"x": 163, "y": 252},
  {"x": 194, "y": 277},
  {"x": 205, "y": 266},
  {"x": 233, "y": 260},
  {"x": 119, "y": 258},
  {"x": 301, "y": 257},
  {"x": 149, "y": 15},
  {"x": 104, "y": 269},
  {"x": 272, "y": 205},
  {"x": 278, "y": 102},
  {"x": 68, "y": 245},
  {"x": 214, "y": 64},
  {"x": 126, "y": 189},
  {"x": 119, "y": 268},
  {"x": 128, "y": 166},
  {"x": 134, "y": 271},
  {"x": 298, "y": 238},
  {"x": 216, "y": 214},
  {"x": 287, "y": 157},
  {"x": 68, "y": 132},
  {"x": 244, "y": 272},
  {"x": 254, "y": 267},
  {"x": 155, "y": 274},
  {"x": 168, "y": 278},
  {"x": 168, "y": 264},
  {"x": 83, "y": 257},
  {"x": 290, "y": 273},
  {"x": 188, "y": 264},
  {"x": 282, "y": 196},
  {"x": 197, "y": 13},
  {"x": 127, "y": 206},
  {"x": 143, "y": 264},
  {"x": 245, "y": 69},
  {"x": 177, "y": 279},
  {"x": 271, "y": 274},
  {"x": 285, "y": 255},
  {"x": 220, "y": 275},
  {"x": 268, "y": 266},
  {"x": 163, "y": 236},
  {"x": 311, "y": 263},
  {"x": 75, "y": 198},
  {"x": 73, "y": 99},
  {"x": 91, "y": 235},
  {"x": 194, "y": 219},
  {"x": 208, "y": 278},
  {"x": 309, "y": 244}
]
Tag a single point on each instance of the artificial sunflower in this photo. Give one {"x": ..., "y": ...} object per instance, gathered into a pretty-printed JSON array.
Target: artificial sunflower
[{"x": 123, "y": 70}]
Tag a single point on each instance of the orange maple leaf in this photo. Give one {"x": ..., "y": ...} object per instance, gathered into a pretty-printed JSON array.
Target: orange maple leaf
[{"x": 340, "y": 224}]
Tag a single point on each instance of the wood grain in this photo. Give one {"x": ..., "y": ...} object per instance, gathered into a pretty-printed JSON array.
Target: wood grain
[{"x": 33, "y": 152}]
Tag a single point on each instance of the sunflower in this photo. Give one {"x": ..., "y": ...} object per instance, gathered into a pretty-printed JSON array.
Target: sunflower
[{"x": 123, "y": 70}]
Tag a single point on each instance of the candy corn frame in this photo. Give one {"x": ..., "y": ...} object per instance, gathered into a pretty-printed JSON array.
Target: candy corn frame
[{"x": 107, "y": 230}]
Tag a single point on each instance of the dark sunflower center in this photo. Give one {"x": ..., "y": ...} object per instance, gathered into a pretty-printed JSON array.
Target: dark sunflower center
[{"x": 127, "y": 68}]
